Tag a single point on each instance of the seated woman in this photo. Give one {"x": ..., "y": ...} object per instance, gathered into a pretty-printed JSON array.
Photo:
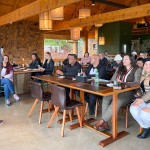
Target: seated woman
[
  {"x": 140, "y": 108},
  {"x": 128, "y": 72},
  {"x": 7, "y": 80},
  {"x": 86, "y": 59},
  {"x": 35, "y": 64},
  {"x": 48, "y": 66}
]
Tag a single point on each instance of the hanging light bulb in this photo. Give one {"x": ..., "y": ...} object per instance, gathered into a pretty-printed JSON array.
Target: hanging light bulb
[
  {"x": 45, "y": 23},
  {"x": 75, "y": 34},
  {"x": 84, "y": 12},
  {"x": 57, "y": 14},
  {"x": 101, "y": 40},
  {"x": 98, "y": 25},
  {"x": 96, "y": 35}
]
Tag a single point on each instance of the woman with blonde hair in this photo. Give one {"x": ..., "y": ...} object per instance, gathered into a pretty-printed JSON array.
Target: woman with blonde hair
[
  {"x": 48, "y": 65},
  {"x": 140, "y": 108}
]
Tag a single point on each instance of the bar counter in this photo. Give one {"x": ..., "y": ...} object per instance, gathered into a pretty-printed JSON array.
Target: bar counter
[{"x": 22, "y": 78}]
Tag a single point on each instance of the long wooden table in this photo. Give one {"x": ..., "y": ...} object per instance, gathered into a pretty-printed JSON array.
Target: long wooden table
[{"x": 97, "y": 90}]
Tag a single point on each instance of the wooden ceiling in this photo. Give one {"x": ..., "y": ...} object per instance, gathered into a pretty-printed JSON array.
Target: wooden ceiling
[{"x": 72, "y": 11}]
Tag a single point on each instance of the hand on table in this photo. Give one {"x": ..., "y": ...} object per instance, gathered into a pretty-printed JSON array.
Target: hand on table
[{"x": 59, "y": 72}]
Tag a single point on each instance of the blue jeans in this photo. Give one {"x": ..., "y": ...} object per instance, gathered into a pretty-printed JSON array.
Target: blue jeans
[{"x": 8, "y": 87}]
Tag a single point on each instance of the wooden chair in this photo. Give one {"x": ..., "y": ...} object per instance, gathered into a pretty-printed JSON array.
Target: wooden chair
[
  {"x": 126, "y": 109},
  {"x": 58, "y": 98},
  {"x": 38, "y": 94},
  {"x": 96, "y": 107}
]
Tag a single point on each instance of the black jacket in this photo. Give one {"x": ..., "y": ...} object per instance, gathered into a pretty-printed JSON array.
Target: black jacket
[
  {"x": 49, "y": 67},
  {"x": 34, "y": 64},
  {"x": 66, "y": 61},
  {"x": 101, "y": 71},
  {"x": 103, "y": 62},
  {"x": 69, "y": 70}
]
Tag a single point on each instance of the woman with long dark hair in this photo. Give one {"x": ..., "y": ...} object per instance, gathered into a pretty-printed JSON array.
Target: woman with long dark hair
[
  {"x": 86, "y": 59},
  {"x": 128, "y": 72},
  {"x": 36, "y": 62}
]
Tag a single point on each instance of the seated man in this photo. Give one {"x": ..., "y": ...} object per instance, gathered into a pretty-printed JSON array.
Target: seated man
[
  {"x": 140, "y": 62},
  {"x": 91, "y": 71},
  {"x": 71, "y": 70}
]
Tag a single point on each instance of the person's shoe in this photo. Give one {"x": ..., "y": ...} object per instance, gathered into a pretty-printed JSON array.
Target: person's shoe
[
  {"x": 1, "y": 122},
  {"x": 16, "y": 97},
  {"x": 91, "y": 112},
  {"x": 101, "y": 125},
  {"x": 145, "y": 133},
  {"x": 8, "y": 102}
]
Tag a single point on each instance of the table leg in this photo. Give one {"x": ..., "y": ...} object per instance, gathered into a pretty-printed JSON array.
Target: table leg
[{"x": 115, "y": 135}]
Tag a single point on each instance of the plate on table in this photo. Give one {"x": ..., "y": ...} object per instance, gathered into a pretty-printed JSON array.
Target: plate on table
[
  {"x": 110, "y": 84},
  {"x": 61, "y": 77}
]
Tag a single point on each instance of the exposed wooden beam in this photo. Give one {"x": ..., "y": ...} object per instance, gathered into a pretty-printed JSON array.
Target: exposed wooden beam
[
  {"x": 15, "y": 4},
  {"x": 145, "y": 19},
  {"x": 100, "y": 10},
  {"x": 118, "y": 15},
  {"x": 33, "y": 9},
  {"x": 4, "y": 4},
  {"x": 111, "y": 3},
  {"x": 56, "y": 36}
]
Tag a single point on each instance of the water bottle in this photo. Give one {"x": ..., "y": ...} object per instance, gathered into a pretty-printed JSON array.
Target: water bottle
[{"x": 96, "y": 75}]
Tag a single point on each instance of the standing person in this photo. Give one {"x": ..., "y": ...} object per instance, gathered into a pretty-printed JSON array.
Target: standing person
[
  {"x": 7, "y": 80},
  {"x": 126, "y": 73},
  {"x": 106, "y": 54},
  {"x": 140, "y": 108},
  {"x": 48, "y": 66},
  {"x": 103, "y": 60},
  {"x": 86, "y": 59}
]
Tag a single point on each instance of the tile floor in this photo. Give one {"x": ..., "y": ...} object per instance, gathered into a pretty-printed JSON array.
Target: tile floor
[{"x": 21, "y": 133}]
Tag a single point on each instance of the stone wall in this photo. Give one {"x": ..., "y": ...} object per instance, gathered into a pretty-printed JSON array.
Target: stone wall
[{"x": 20, "y": 40}]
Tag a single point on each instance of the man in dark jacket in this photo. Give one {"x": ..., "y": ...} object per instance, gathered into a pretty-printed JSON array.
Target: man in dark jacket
[
  {"x": 70, "y": 70},
  {"x": 103, "y": 60},
  {"x": 95, "y": 64}
]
